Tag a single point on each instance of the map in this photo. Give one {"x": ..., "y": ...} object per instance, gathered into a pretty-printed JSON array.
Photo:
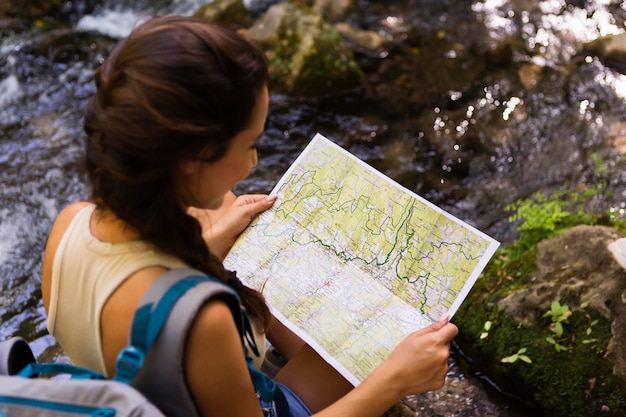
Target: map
[{"x": 353, "y": 262}]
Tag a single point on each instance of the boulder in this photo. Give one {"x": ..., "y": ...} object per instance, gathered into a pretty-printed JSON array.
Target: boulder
[
  {"x": 363, "y": 40},
  {"x": 230, "y": 13},
  {"x": 307, "y": 55},
  {"x": 333, "y": 10},
  {"x": 555, "y": 339},
  {"x": 611, "y": 50}
]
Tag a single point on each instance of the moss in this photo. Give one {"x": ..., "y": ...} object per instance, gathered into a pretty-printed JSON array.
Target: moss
[
  {"x": 328, "y": 64},
  {"x": 577, "y": 382},
  {"x": 568, "y": 376},
  {"x": 511, "y": 268}
]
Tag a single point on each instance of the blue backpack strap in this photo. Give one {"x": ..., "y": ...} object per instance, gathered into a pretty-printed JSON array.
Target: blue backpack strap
[
  {"x": 35, "y": 369},
  {"x": 159, "y": 331},
  {"x": 150, "y": 317}
]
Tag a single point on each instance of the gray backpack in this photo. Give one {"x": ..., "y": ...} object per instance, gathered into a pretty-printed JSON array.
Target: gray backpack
[
  {"x": 149, "y": 379},
  {"x": 24, "y": 392}
]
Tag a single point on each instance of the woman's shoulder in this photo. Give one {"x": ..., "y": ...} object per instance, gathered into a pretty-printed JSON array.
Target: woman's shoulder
[
  {"x": 63, "y": 220},
  {"x": 67, "y": 214},
  {"x": 56, "y": 233}
]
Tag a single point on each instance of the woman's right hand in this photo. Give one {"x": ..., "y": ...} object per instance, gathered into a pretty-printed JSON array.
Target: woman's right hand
[{"x": 420, "y": 362}]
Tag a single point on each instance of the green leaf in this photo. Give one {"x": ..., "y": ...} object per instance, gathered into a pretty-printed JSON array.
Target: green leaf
[
  {"x": 558, "y": 329},
  {"x": 559, "y": 348},
  {"x": 510, "y": 359}
]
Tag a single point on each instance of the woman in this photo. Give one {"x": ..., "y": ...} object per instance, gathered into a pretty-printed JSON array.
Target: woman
[{"x": 171, "y": 129}]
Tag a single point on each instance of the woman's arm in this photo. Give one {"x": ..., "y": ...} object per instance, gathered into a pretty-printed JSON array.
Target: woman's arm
[
  {"x": 284, "y": 340},
  {"x": 418, "y": 364},
  {"x": 221, "y": 385},
  {"x": 215, "y": 368}
]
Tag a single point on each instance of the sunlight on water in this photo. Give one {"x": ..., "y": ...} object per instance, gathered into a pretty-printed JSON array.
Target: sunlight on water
[
  {"x": 617, "y": 81},
  {"x": 9, "y": 228},
  {"x": 497, "y": 21},
  {"x": 118, "y": 23},
  {"x": 114, "y": 23},
  {"x": 510, "y": 105},
  {"x": 10, "y": 90},
  {"x": 557, "y": 32}
]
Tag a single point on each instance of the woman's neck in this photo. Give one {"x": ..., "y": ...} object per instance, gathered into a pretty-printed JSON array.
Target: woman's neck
[{"x": 107, "y": 227}]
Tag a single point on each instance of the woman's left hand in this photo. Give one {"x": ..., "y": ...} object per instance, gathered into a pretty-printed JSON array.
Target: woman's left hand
[{"x": 222, "y": 226}]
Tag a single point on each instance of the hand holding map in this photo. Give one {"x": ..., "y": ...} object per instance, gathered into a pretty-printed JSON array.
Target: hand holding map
[{"x": 352, "y": 262}]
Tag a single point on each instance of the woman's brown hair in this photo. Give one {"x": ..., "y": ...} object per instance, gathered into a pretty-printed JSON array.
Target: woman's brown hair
[{"x": 175, "y": 87}]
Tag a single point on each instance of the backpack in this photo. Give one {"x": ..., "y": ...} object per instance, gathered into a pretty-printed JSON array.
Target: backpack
[
  {"x": 24, "y": 392},
  {"x": 154, "y": 354}
]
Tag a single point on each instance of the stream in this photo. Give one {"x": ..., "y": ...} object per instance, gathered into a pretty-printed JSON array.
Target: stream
[{"x": 538, "y": 123}]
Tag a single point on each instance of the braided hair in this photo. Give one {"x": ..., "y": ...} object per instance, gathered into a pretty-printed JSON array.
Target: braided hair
[{"x": 174, "y": 87}]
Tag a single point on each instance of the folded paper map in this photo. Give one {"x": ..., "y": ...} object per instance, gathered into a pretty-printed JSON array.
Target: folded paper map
[{"x": 353, "y": 262}]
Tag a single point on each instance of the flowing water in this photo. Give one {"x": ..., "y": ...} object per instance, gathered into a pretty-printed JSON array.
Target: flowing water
[{"x": 470, "y": 151}]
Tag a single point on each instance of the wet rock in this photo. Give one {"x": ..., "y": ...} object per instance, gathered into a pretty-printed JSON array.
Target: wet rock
[
  {"x": 406, "y": 77},
  {"x": 32, "y": 9},
  {"x": 258, "y": 7},
  {"x": 8, "y": 23},
  {"x": 230, "y": 13},
  {"x": 21, "y": 14},
  {"x": 333, "y": 10},
  {"x": 306, "y": 54},
  {"x": 528, "y": 74},
  {"x": 610, "y": 49},
  {"x": 459, "y": 397},
  {"x": 577, "y": 354},
  {"x": 399, "y": 410},
  {"x": 617, "y": 136},
  {"x": 363, "y": 40}
]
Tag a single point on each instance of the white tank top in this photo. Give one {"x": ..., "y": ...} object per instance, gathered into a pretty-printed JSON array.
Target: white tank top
[{"x": 85, "y": 272}]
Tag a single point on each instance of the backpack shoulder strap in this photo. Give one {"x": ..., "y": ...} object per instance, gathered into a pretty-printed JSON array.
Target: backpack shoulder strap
[
  {"x": 160, "y": 302},
  {"x": 159, "y": 332}
]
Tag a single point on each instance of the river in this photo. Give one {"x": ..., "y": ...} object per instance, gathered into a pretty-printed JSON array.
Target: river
[{"x": 471, "y": 151}]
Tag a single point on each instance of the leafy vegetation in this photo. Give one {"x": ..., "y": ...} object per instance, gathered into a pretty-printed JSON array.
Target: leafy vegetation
[
  {"x": 567, "y": 342},
  {"x": 544, "y": 216},
  {"x": 519, "y": 355}
]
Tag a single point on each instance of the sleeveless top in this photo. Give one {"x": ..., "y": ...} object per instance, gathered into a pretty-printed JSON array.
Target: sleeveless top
[{"x": 85, "y": 272}]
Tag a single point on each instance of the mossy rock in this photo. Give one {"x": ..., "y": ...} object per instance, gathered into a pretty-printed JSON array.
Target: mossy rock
[
  {"x": 230, "y": 13},
  {"x": 307, "y": 55},
  {"x": 574, "y": 374}
]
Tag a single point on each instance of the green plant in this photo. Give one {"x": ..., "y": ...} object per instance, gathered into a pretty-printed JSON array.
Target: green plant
[
  {"x": 519, "y": 355},
  {"x": 486, "y": 328},
  {"x": 589, "y": 329},
  {"x": 557, "y": 346},
  {"x": 558, "y": 314},
  {"x": 542, "y": 216}
]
